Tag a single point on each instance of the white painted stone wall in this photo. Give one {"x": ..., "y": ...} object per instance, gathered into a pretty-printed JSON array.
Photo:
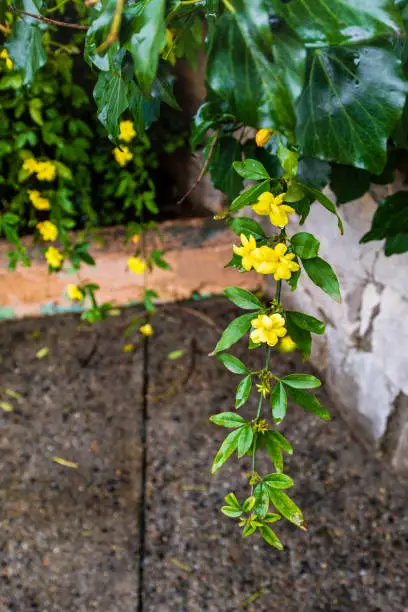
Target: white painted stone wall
[{"x": 364, "y": 353}]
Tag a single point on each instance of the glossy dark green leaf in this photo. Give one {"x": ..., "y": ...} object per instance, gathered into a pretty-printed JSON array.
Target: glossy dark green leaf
[
  {"x": 289, "y": 160},
  {"x": 251, "y": 169},
  {"x": 243, "y": 391},
  {"x": 278, "y": 402},
  {"x": 281, "y": 441},
  {"x": 235, "y": 330},
  {"x": 226, "y": 449},
  {"x": 262, "y": 500},
  {"x": 222, "y": 173},
  {"x": 249, "y": 196},
  {"x": 209, "y": 114},
  {"x": 349, "y": 183},
  {"x": 147, "y": 42},
  {"x": 390, "y": 221},
  {"x": 278, "y": 481},
  {"x": 25, "y": 48},
  {"x": 324, "y": 201},
  {"x": 246, "y": 226},
  {"x": 309, "y": 402},
  {"x": 245, "y": 440},
  {"x": 231, "y": 512},
  {"x": 301, "y": 381},
  {"x": 339, "y": 22},
  {"x": 350, "y": 105},
  {"x": 306, "y": 322},
  {"x": 242, "y": 298},
  {"x": 286, "y": 507},
  {"x": 233, "y": 364},
  {"x": 313, "y": 172},
  {"x": 305, "y": 245},
  {"x": 232, "y": 501},
  {"x": 301, "y": 336},
  {"x": 323, "y": 275},
  {"x": 274, "y": 451},
  {"x": 270, "y": 537},
  {"x": 110, "y": 95},
  {"x": 228, "y": 419}
]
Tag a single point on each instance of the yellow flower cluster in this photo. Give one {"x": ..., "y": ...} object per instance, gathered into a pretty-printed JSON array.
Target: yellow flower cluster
[
  {"x": 47, "y": 230},
  {"x": 5, "y": 56},
  {"x": 274, "y": 207},
  {"x": 38, "y": 201},
  {"x": 45, "y": 170},
  {"x": 268, "y": 329},
  {"x": 74, "y": 292},
  {"x": 122, "y": 155},
  {"x": 266, "y": 260},
  {"x": 126, "y": 131},
  {"x": 137, "y": 265},
  {"x": 54, "y": 257},
  {"x": 263, "y": 136}
]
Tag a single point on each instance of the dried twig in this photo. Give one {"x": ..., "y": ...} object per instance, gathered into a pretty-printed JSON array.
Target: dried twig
[
  {"x": 63, "y": 24},
  {"x": 203, "y": 171}
]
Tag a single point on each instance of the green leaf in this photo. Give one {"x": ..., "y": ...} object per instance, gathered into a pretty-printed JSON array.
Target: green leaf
[
  {"x": 323, "y": 275},
  {"x": 390, "y": 221},
  {"x": 270, "y": 537},
  {"x": 301, "y": 381},
  {"x": 248, "y": 530},
  {"x": 242, "y": 298},
  {"x": 110, "y": 95},
  {"x": 249, "y": 196},
  {"x": 251, "y": 169},
  {"x": 235, "y": 330},
  {"x": 274, "y": 452},
  {"x": 277, "y": 437},
  {"x": 271, "y": 517},
  {"x": 175, "y": 354},
  {"x": 246, "y": 226},
  {"x": 222, "y": 173},
  {"x": 231, "y": 512},
  {"x": 157, "y": 257},
  {"x": 286, "y": 507},
  {"x": 228, "y": 419},
  {"x": 305, "y": 245},
  {"x": 249, "y": 503},
  {"x": 11, "y": 81},
  {"x": 340, "y": 22},
  {"x": 243, "y": 391},
  {"x": 278, "y": 402},
  {"x": 348, "y": 183},
  {"x": 245, "y": 440},
  {"x": 261, "y": 500},
  {"x": 232, "y": 501},
  {"x": 288, "y": 159},
  {"x": 233, "y": 364},
  {"x": 306, "y": 322},
  {"x": 226, "y": 449},
  {"x": 299, "y": 335},
  {"x": 362, "y": 93},
  {"x": 146, "y": 44},
  {"x": 309, "y": 402},
  {"x": 209, "y": 114},
  {"x": 324, "y": 201},
  {"x": 278, "y": 481},
  {"x": 294, "y": 193},
  {"x": 26, "y": 50}
]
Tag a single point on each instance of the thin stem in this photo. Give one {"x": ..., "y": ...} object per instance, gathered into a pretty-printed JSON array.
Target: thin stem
[
  {"x": 258, "y": 414},
  {"x": 203, "y": 171},
  {"x": 115, "y": 27},
  {"x": 63, "y": 24},
  {"x": 278, "y": 290}
]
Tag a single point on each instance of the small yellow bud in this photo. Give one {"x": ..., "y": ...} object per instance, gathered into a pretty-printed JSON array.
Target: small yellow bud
[
  {"x": 136, "y": 238},
  {"x": 286, "y": 345},
  {"x": 146, "y": 330},
  {"x": 263, "y": 136}
]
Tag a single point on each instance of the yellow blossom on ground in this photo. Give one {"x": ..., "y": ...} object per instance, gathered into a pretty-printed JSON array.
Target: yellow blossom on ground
[
  {"x": 128, "y": 348},
  {"x": 5, "y": 56},
  {"x": 122, "y": 155},
  {"x": 146, "y": 330},
  {"x": 38, "y": 201},
  {"x": 54, "y": 257},
  {"x": 46, "y": 171},
  {"x": 30, "y": 165},
  {"x": 126, "y": 131},
  {"x": 274, "y": 207},
  {"x": 286, "y": 345},
  {"x": 48, "y": 230},
  {"x": 268, "y": 329},
  {"x": 74, "y": 292},
  {"x": 246, "y": 251},
  {"x": 135, "y": 238},
  {"x": 137, "y": 265},
  {"x": 263, "y": 136}
]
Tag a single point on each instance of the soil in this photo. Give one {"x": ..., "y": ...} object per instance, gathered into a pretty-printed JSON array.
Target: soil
[{"x": 70, "y": 537}]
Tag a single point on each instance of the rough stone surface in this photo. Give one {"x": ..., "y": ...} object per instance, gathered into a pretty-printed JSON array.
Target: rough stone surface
[{"x": 364, "y": 353}]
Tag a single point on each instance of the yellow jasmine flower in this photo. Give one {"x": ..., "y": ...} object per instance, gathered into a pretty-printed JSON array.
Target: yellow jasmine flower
[
  {"x": 38, "y": 201},
  {"x": 265, "y": 260},
  {"x": 30, "y": 165},
  {"x": 137, "y": 265},
  {"x": 286, "y": 345},
  {"x": 274, "y": 207},
  {"x": 128, "y": 348},
  {"x": 74, "y": 292},
  {"x": 263, "y": 136},
  {"x": 46, "y": 171},
  {"x": 122, "y": 155},
  {"x": 246, "y": 251},
  {"x": 4, "y": 55},
  {"x": 285, "y": 266},
  {"x": 264, "y": 388},
  {"x": 54, "y": 257},
  {"x": 135, "y": 238},
  {"x": 268, "y": 329},
  {"x": 47, "y": 230},
  {"x": 126, "y": 131},
  {"x": 146, "y": 330},
  {"x": 261, "y": 426}
]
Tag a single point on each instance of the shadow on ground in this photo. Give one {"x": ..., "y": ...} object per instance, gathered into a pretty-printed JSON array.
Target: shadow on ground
[{"x": 70, "y": 538}]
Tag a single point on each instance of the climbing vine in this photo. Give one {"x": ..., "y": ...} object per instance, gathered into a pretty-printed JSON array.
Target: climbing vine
[{"x": 321, "y": 86}]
